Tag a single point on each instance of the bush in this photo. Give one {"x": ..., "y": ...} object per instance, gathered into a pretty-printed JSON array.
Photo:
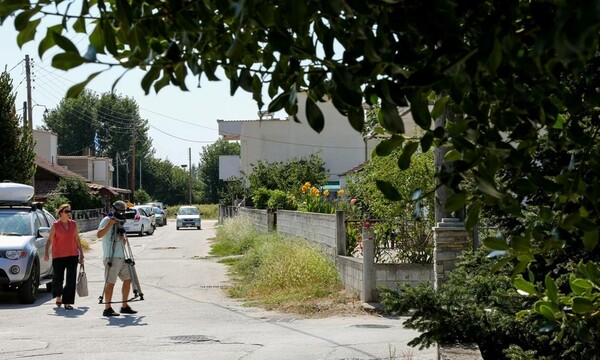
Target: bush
[
  {"x": 235, "y": 237},
  {"x": 477, "y": 305},
  {"x": 260, "y": 198}
]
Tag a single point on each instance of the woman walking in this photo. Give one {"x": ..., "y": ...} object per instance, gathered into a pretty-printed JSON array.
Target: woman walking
[{"x": 66, "y": 253}]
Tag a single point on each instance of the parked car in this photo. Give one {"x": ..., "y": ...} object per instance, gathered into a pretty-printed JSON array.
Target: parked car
[
  {"x": 161, "y": 217},
  {"x": 140, "y": 224},
  {"x": 188, "y": 216},
  {"x": 149, "y": 213},
  {"x": 24, "y": 230}
]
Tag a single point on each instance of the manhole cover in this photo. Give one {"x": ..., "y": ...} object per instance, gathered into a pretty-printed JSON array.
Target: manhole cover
[
  {"x": 372, "y": 326},
  {"x": 189, "y": 338}
]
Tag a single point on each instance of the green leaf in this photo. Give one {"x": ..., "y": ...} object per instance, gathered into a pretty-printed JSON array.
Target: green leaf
[
  {"x": 583, "y": 305},
  {"x": 439, "y": 107},
  {"x": 420, "y": 111},
  {"x": 385, "y": 147},
  {"x": 388, "y": 190},
  {"x": 357, "y": 118},
  {"x": 64, "y": 43},
  {"x": 452, "y": 155},
  {"x": 76, "y": 89},
  {"x": 426, "y": 142},
  {"x": 314, "y": 115},
  {"x": 551, "y": 288},
  {"x": 495, "y": 243},
  {"x": 488, "y": 188},
  {"x": 520, "y": 244},
  {"x": 48, "y": 40},
  {"x": 67, "y": 61},
  {"x": 495, "y": 57},
  {"x": 500, "y": 264},
  {"x": 79, "y": 25},
  {"x": 574, "y": 284},
  {"x": 28, "y": 33},
  {"x": 407, "y": 153},
  {"x": 279, "y": 102},
  {"x": 391, "y": 119},
  {"x": 524, "y": 285},
  {"x": 583, "y": 284},
  {"x": 455, "y": 202},
  {"x": 546, "y": 311},
  {"x": 472, "y": 218},
  {"x": 590, "y": 239}
]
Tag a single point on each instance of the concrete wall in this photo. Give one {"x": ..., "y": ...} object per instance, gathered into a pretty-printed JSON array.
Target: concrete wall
[
  {"x": 317, "y": 228},
  {"x": 320, "y": 229},
  {"x": 260, "y": 218}
]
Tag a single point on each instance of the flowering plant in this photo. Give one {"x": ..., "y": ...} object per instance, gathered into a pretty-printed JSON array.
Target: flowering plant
[{"x": 313, "y": 200}]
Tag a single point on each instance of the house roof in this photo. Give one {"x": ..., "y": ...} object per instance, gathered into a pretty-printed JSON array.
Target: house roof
[
  {"x": 104, "y": 189},
  {"x": 56, "y": 169},
  {"x": 357, "y": 168},
  {"x": 81, "y": 157}
]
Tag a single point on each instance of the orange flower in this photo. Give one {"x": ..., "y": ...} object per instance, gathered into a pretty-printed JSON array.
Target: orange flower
[
  {"x": 341, "y": 193},
  {"x": 326, "y": 193}
]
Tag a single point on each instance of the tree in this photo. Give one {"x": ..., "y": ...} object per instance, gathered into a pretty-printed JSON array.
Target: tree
[
  {"x": 165, "y": 182},
  {"x": 77, "y": 193},
  {"x": 208, "y": 169},
  {"x": 297, "y": 171},
  {"x": 504, "y": 68},
  {"x": 17, "y": 158},
  {"x": 77, "y": 123}
]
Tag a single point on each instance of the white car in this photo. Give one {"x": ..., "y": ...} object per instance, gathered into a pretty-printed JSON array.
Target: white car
[
  {"x": 140, "y": 224},
  {"x": 188, "y": 216},
  {"x": 24, "y": 230}
]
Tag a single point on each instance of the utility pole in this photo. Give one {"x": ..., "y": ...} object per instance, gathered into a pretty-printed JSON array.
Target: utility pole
[
  {"x": 140, "y": 174},
  {"x": 118, "y": 163},
  {"x": 29, "y": 104},
  {"x": 190, "y": 161},
  {"x": 132, "y": 171},
  {"x": 24, "y": 114}
]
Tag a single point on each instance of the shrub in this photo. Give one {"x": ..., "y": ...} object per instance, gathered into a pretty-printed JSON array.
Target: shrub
[
  {"x": 477, "y": 305},
  {"x": 260, "y": 198},
  {"x": 235, "y": 237}
]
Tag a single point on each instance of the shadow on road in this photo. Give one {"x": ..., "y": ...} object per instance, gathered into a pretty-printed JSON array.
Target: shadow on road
[{"x": 126, "y": 320}]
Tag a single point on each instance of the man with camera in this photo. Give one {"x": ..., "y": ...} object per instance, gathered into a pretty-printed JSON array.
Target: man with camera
[{"x": 112, "y": 234}]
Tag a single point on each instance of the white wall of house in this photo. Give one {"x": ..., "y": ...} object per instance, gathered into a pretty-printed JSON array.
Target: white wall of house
[
  {"x": 339, "y": 145},
  {"x": 96, "y": 170},
  {"x": 46, "y": 145}
]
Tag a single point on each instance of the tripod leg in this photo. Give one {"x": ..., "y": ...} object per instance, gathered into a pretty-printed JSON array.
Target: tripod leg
[{"x": 137, "y": 290}]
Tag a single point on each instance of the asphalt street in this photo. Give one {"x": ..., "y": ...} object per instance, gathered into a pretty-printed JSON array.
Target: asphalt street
[{"x": 186, "y": 314}]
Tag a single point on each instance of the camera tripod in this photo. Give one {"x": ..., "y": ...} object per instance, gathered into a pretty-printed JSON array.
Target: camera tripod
[{"x": 138, "y": 295}]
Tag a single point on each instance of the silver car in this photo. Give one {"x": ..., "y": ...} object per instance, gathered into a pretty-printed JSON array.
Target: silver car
[
  {"x": 24, "y": 231},
  {"x": 188, "y": 216}
]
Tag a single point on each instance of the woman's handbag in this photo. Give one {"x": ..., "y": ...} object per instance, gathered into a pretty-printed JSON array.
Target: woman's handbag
[{"x": 82, "y": 288}]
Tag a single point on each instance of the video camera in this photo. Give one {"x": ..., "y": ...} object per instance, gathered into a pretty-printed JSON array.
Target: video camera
[{"x": 121, "y": 216}]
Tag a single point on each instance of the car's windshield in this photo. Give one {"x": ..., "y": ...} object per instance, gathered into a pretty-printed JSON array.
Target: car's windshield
[
  {"x": 156, "y": 210},
  {"x": 188, "y": 211},
  {"x": 15, "y": 223}
]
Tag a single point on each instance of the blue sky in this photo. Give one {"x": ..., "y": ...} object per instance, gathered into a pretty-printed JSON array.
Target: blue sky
[{"x": 179, "y": 120}]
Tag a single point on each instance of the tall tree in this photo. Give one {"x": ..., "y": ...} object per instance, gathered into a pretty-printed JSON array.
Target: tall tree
[
  {"x": 76, "y": 123},
  {"x": 17, "y": 157},
  {"x": 208, "y": 169},
  {"x": 503, "y": 67}
]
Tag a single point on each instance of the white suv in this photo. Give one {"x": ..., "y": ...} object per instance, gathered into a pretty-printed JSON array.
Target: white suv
[{"x": 24, "y": 230}]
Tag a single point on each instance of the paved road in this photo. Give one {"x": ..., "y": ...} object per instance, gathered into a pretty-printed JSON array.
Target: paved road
[{"x": 185, "y": 315}]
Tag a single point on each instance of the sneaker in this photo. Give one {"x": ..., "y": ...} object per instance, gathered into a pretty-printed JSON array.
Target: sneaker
[
  {"x": 127, "y": 310},
  {"x": 109, "y": 312}
]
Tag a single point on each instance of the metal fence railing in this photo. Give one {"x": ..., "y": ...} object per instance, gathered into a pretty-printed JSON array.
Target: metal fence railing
[
  {"x": 87, "y": 214},
  {"x": 396, "y": 241}
]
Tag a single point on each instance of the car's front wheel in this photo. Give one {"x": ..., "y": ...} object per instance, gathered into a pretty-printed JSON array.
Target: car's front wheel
[{"x": 27, "y": 291}]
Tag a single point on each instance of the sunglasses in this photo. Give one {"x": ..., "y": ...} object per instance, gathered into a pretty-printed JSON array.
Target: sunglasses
[{"x": 67, "y": 211}]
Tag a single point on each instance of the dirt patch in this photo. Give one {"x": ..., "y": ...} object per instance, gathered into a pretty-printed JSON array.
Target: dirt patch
[{"x": 338, "y": 304}]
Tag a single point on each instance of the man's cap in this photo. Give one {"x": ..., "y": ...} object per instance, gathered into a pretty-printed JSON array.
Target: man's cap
[{"x": 120, "y": 205}]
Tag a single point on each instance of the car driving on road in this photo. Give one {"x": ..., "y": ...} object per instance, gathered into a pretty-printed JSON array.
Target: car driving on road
[
  {"x": 188, "y": 216},
  {"x": 24, "y": 230}
]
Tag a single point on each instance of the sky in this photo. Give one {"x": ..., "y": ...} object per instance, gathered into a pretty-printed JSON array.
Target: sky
[{"x": 178, "y": 120}]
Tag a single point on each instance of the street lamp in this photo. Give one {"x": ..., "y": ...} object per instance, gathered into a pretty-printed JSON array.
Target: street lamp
[{"x": 184, "y": 166}]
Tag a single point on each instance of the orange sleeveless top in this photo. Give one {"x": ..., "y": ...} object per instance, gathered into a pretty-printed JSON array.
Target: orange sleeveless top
[{"x": 65, "y": 240}]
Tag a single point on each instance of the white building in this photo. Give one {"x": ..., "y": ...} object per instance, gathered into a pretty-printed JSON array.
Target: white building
[{"x": 268, "y": 139}]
